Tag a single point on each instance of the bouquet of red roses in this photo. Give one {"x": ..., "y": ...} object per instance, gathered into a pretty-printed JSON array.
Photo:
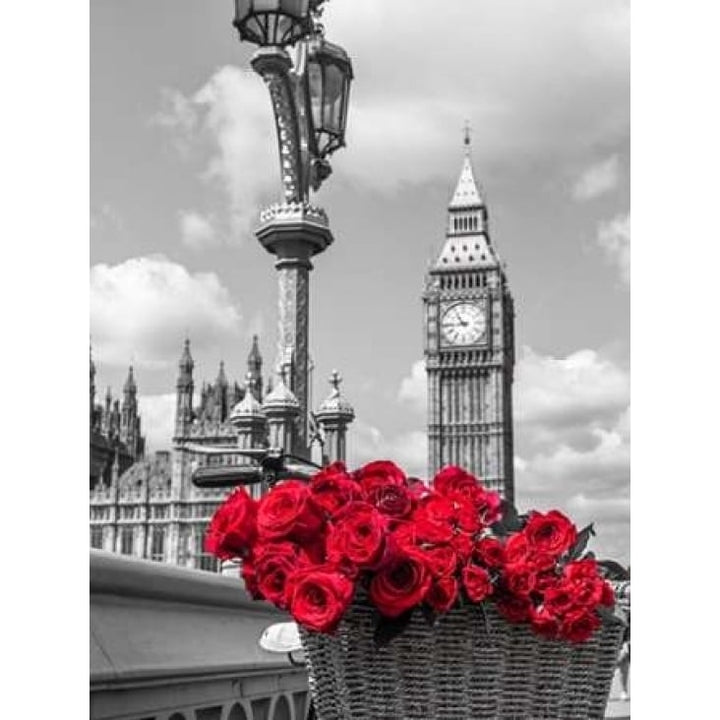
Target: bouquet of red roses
[{"x": 309, "y": 547}]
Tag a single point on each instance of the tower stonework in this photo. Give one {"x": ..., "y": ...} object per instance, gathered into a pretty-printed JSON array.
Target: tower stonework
[{"x": 469, "y": 346}]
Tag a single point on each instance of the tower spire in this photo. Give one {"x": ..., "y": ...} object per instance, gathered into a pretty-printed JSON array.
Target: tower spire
[
  {"x": 467, "y": 140},
  {"x": 467, "y": 244}
]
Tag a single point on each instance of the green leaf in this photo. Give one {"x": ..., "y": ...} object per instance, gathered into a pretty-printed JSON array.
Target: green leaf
[
  {"x": 614, "y": 570},
  {"x": 581, "y": 543},
  {"x": 389, "y": 628}
]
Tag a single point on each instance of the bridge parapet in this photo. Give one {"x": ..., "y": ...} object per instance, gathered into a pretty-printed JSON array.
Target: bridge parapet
[{"x": 170, "y": 643}]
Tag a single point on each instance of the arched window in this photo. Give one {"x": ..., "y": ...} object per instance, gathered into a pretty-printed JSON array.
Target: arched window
[
  {"x": 282, "y": 709},
  {"x": 237, "y": 713}
]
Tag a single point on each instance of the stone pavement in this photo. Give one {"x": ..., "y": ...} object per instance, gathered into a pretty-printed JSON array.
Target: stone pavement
[{"x": 618, "y": 709}]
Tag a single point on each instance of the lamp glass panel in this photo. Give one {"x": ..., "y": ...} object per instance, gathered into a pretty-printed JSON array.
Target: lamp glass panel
[
  {"x": 334, "y": 84},
  {"x": 315, "y": 77},
  {"x": 266, "y": 5},
  {"x": 297, "y": 8}
]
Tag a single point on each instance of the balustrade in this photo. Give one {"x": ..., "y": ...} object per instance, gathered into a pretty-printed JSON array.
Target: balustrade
[{"x": 169, "y": 643}]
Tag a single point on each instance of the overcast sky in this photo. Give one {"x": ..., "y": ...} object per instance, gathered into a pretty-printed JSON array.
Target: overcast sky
[{"x": 183, "y": 155}]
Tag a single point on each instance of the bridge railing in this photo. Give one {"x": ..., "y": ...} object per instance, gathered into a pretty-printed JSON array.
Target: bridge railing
[{"x": 169, "y": 643}]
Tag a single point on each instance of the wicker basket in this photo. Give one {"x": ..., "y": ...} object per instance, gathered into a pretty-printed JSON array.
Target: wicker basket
[{"x": 472, "y": 664}]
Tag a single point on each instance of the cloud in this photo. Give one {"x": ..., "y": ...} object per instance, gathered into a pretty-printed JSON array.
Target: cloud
[
  {"x": 408, "y": 449},
  {"x": 142, "y": 308},
  {"x": 157, "y": 413},
  {"x": 573, "y": 442},
  {"x": 546, "y": 79},
  {"x": 227, "y": 126},
  {"x": 566, "y": 394},
  {"x": 413, "y": 389},
  {"x": 614, "y": 239},
  {"x": 598, "y": 179},
  {"x": 196, "y": 230}
]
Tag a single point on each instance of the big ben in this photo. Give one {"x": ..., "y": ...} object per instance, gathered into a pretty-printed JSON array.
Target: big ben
[{"x": 469, "y": 345}]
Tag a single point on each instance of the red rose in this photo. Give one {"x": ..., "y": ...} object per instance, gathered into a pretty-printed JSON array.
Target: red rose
[
  {"x": 436, "y": 508},
  {"x": 318, "y": 597},
  {"x": 358, "y": 535},
  {"x": 516, "y": 549},
  {"x": 463, "y": 546},
  {"x": 289, "y": 511},
  {"x": 273, "y": 564},
  {"x": 608, "y": 595},
  {"x": 579, "y": 625},
  {"x": 560, "y": 599},
  {"x": 520, "y": 579},
  {"x": 392, "y": 500},
  {"x": 488, "y": 505},
  {"x": 453, "y": 479},
  {"x": 544, "y": 623},
  {"x": 417, "y": 487},
  {"x": 467, "y": 516},
  {"x": 490, "y": 552},
  {"x": 441, "y": 560},
  {"x": 442, "y": 594},
  {"x": 514, "y": 609},
  {"x": 551, "y": 534},
  {"x": 545, "y": 580},
  {"x": 421, "y": 531},
  {"x": 400, "y": 584},
  {"x": 233, "y": 527},
  {"x": 476, "y": 581},
  {"x": 332, "y": 488},
  {"x": 581, "y": 570},
  {"x": 378, "y": 474}
]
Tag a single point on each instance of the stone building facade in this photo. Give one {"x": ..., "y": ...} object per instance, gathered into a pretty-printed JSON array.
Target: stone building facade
[
  {"x": 152, "y": 510},
  {"x": 469, "y": 345}
]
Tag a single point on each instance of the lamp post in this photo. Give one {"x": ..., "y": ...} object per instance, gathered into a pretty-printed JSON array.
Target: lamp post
[{"x": 310, "y": 102}]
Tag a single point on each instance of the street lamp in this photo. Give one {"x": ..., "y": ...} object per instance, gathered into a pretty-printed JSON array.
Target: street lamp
[{"x": 310, "y": 103}]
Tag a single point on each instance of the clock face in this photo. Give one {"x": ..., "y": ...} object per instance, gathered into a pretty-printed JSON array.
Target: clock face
[{"x": 463, "y": 324}]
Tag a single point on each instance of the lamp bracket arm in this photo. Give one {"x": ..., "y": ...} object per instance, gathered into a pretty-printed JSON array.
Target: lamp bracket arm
[{"x": 273, "y": 64}]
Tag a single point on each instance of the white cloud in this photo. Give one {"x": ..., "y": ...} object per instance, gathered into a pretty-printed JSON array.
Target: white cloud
[
  {"x": 598, "y": 179},
  {"x": 547, "y": 78},
  {"x": 141, "y": 309},
  {"x": 229, "y": 124},
  {"x": 158, "y": 420},
  {"x": 413, "y": 389},
  {"x": 196, "y": 230},
  {"x": 573, "y": 442},
  {"x": 614, "y": 239},
  {"x": 367, "y": 443},
  {"x": 568, "y": 393}
]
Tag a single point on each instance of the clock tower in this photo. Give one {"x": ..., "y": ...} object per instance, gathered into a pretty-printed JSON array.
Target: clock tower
[{"x": 469, "y": 345}]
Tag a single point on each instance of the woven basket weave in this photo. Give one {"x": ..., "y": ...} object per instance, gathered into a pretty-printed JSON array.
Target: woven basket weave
[{"x": 472, "y": 664}]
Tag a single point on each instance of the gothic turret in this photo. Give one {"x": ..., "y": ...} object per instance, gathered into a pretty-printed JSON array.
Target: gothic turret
[
  {"x": 184, "y": 404},
  {"x": 282, "y": 409},
  {"x": 130, "y": 420},
  {"x": 254, "y": 382},
  {"x": 92, "y": 391},
  {"x": 334, "y": 416},
  {"x": 248, "y": 418}
]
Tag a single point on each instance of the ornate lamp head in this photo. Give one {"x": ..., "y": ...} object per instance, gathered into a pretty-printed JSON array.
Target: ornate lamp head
[
  {"x": 329, "y": 73},
  {"x": 274, "y": 22}
]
